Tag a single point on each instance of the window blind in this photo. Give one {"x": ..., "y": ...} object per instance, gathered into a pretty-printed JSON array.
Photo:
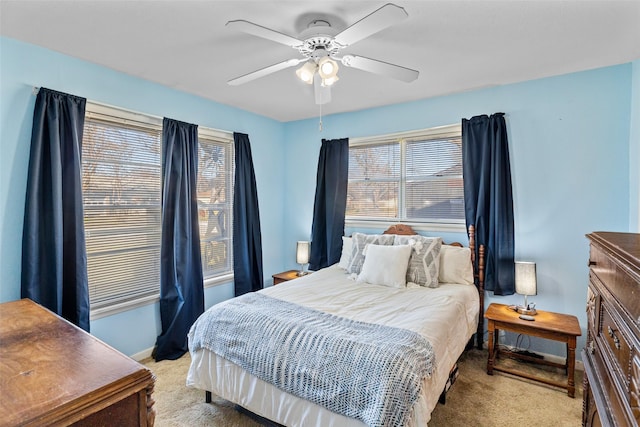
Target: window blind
[
  {"x": 411, "y": 176},
  {"x": 434, "y": 189},
  {"x": 215, "y": 198},
  {"x": 374, "y": 180},
  {"x": 121, "y": 192}
]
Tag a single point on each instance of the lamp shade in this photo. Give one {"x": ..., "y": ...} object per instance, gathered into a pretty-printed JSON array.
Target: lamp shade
[
  {"x": 302, "y": 252},
  {"x": 329, "y": 81},
  {"x": 327, "y": 68},
  {"x": 526, "y": 278},
  {"x": 306, "y": 72}
]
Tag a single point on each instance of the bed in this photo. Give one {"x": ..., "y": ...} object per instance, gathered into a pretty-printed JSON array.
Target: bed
[{"x": 444, "y": 316}]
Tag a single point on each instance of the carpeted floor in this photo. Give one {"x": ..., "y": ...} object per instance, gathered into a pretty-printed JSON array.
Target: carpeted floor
[{"x": 476, "y": 399}]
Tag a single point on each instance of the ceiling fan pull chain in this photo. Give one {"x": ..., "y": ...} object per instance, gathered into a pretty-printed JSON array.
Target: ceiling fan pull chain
[{"x": 320, "y": 124}]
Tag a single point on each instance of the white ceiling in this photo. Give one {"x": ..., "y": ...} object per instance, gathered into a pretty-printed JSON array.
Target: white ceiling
[{"x": 456, "y": 45}]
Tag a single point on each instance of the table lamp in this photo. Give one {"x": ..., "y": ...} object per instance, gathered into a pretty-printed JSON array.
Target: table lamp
[
  {"x": 526, "y": 285},
  {"x": 302, "y": 255}
]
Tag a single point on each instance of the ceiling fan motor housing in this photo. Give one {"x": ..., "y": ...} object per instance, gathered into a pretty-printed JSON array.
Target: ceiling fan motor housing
[{"x": 318, "y": 46}]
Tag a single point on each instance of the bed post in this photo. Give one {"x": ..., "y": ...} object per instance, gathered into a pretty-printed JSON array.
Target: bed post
[{"x": 478, "y": 265}]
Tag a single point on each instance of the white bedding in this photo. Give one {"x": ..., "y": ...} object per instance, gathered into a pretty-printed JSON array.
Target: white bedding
[{"x": 447, "y": 316}]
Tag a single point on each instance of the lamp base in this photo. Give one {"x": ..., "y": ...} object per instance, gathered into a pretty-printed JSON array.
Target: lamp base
[
  {"x": 302, "y": 273},
  {"x": 523, "y": 310}
]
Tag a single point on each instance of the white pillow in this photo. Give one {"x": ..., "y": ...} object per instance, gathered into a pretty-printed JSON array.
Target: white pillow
[
  {"x": 424, "y": 264},
  {"x": 345, "y": 257},
  {"x": 360, "y": 241},
  {"x": 455, "y": 265},
  {"x": 385, "y": 265}
]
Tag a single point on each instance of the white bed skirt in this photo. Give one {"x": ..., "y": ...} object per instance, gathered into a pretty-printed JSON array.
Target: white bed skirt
[
  {"x": 448, "y": 319},
  {"x": 238, "y": 386}
]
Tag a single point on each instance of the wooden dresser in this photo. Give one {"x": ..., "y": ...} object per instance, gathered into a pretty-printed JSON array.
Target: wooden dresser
[
  {"x": 612, "y": 354},
  {"x": 54, "y": 374}
]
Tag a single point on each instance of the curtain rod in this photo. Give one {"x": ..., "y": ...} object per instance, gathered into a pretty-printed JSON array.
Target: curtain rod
[{"x": 36, "y": 89}]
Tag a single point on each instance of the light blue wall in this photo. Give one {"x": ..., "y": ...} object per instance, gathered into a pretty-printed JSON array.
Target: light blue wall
[
  {"x": 634, "y": 151},
  {"x": 570, "y": 136},
  {"x": 569, "y": 148},
  {"x": 23, "y": 66}
]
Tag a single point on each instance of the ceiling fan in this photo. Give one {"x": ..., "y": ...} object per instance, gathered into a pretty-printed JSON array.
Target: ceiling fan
[{"x": 320, "y": 45}]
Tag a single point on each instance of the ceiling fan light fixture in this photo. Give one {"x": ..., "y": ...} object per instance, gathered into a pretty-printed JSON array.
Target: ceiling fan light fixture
[
  {"x": 329, "y": 81},
  {"x": 319, "y": 46},
  {"x": 306, "y": 72},
  {"x": 327, "y": 68}
]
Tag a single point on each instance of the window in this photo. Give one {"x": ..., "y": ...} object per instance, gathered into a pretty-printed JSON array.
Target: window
[
  {"x": 215, "y": 198},
  {"x": 121, "y": 184},
  {"x": 121, "y": 195},
  {"x": 411, "y": 176}
]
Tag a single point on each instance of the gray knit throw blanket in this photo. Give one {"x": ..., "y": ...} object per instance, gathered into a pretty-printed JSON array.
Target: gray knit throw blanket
[{"x": 370, "y": 372}]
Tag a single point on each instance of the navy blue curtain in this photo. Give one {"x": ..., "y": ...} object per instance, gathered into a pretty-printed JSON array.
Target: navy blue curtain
[
  {"x": 488, "y": 198},
  {"x": 330, "y": 203},
  {"x": 247, "y": 238},
  {"x": 181, "y": 285},
  {"x": 54, "y": 258}
]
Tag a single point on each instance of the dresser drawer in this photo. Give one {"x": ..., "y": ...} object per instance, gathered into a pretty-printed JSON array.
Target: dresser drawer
[
  {"x": 613, "y": 342},
  {"x": 609, "y": 406},
  {"x": 622, "y": 281},
  {"x": 592, "y": 404},
  {"x": 612, "y": 353}
]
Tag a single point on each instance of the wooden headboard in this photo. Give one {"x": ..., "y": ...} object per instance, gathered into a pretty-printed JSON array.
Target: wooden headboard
[
  {"x": 406, "y": 230},
  {"x": 401, "y": 229},
  {"x": 478, "y": 268}
]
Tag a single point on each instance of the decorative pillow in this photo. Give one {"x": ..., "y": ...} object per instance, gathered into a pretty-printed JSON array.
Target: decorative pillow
[
  {"x": 385, "y": 265},
  {"x": 359, "y": 242},
  {"x": 424, "y": 264},
  {"x": 345, "y": 257},
  {"x": 455, "y": 265}
]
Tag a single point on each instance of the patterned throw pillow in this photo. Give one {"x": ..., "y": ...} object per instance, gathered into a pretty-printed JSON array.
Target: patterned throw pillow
[
  {"x": 424, "y": 264},
  {"x": 359, "y": 241}
]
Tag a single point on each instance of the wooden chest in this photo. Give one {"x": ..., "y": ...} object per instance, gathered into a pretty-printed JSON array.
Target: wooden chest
[
  {"x": 612, "y": 353},
  {"x": 53, "y": 373}
]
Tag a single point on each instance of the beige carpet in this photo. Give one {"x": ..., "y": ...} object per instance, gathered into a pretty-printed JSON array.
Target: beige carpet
[{"x": 476, "y": 399}]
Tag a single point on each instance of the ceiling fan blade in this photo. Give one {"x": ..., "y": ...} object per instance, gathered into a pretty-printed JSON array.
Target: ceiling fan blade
[
  {"x": 378, "y": 67},
  {"x": 264, "y": 71},
  {"x": 322, "y": 93},
  {"x": 386, "y": 16},
  {"x": 264, "y": 32}
]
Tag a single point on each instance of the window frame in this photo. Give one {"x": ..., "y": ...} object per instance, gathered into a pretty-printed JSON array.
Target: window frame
[
  {"x": 452, "y": 131},
  {"x": 216, "y": 136},
  {"x": 129, "y": 118}
]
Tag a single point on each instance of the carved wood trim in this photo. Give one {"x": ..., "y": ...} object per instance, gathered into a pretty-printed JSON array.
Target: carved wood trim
[
  {"x": 634, "y": 387},
  {"x": 478, "y": 271},
  {"x": 400, "y": 229},
  {"x": 151, "y": 410}
]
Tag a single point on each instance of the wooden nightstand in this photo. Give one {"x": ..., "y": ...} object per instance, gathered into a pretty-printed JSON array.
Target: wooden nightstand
[
  {"x": 553, "y": 326},
  {"x": 285, "y": 276}
]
